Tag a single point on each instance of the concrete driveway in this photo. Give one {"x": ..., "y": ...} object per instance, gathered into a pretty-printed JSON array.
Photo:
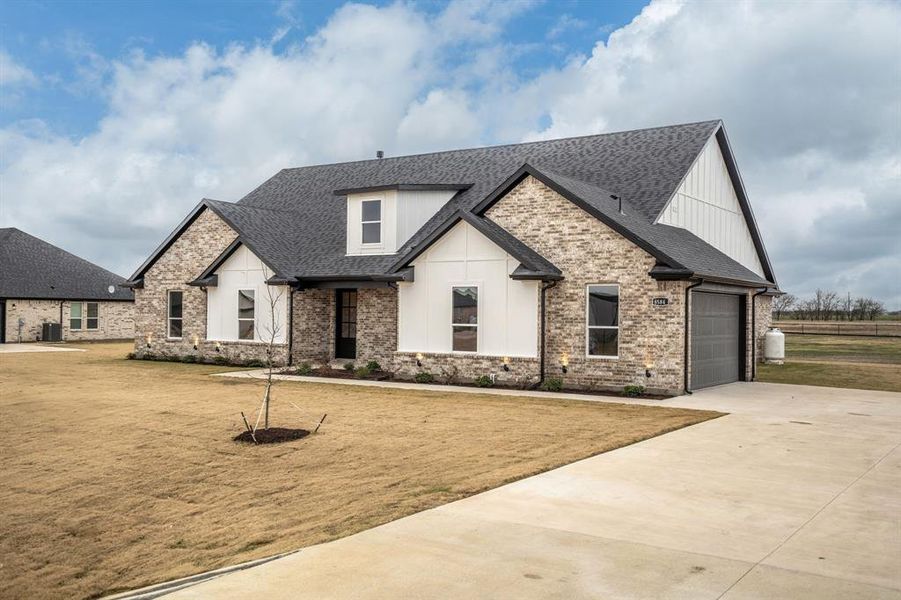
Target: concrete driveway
[
  {"x": 32, "y": 347},
  {"x": 795, "y": 494}
]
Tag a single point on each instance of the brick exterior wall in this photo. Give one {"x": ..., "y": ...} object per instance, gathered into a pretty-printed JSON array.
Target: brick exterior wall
[
  {"x": 115, "y": 320},
  {"x": 462, "y": 368},
  {"x": 314, "y": 326},
  {"x": 589, "y": 252},
  {"x": 34, "y": 313},
  {"x": 198, "y": 246},
  {"x": 377, "y": 326}
]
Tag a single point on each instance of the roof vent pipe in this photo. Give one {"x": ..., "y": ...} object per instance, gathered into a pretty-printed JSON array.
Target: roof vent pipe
[
  {"x": 620, "y": 200},
  {"x": 379, "y": 154}
]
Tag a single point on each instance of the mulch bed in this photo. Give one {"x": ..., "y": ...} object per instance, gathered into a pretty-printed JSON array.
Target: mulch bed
[
  {"x": 345, "y": 374},
  {"x": 273, "y": 435}
]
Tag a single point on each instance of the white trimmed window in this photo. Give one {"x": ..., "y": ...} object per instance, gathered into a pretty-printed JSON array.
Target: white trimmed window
[
  {"x": 246, "y": 314},
  {"x": 175, "y": 312},
  {"x": 84, "y": 315},
  {"x": 602, "y": 321},
  {"x": 465, "y": 318},
  {"x": 372, "y": 221}
]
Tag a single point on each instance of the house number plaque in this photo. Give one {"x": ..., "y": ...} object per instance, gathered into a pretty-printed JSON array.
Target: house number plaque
[{"x": 659, "y": 301}]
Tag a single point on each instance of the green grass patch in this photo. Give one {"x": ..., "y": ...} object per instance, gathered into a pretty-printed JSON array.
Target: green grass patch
[
  {"x": 843, "y": 348},
  {"x": 879, "y": 377}
]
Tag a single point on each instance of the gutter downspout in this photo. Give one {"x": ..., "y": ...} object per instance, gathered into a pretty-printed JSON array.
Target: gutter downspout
[
  {"x": 62, "y": 338},
  {"x": 687, "y": 325},
  {"x": 754, "y": 333},
  {"x": 544, "y": 288},
  {"x": 290, "y": 360}
]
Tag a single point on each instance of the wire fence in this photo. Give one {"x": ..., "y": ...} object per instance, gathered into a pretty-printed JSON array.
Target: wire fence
[{"x": 865, "y": 328}]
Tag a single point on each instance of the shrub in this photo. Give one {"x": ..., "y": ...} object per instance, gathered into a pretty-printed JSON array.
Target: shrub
[
  {"x": 362, "y": 372},
  {"x": 148, "y": 356},
  {"x": 373, "y": 365},
  {"x": 303, "y": 369},
  {"x": 188, "y": 358},
  {"x": 483, "y": 381},
  {"x": 633, "y": 390},
  {"x": 552, "y": 384},
  {"x": 349, "y": 366},
  {"x": 130, "y": 356},
  {"x": 424, "y": 377},
  {"x": 255, "y": 363},
  {"x": 220, "y": 360}
]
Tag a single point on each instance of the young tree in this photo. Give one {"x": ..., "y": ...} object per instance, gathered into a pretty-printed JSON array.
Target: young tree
[
  {"x": 782, "y": 304},
  {"x": 270, "y": 333}
]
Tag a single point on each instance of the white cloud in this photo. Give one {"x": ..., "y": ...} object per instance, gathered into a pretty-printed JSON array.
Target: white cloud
[
  {"x": 805, "y": 90},
  {"x": 13, "y": 73}
]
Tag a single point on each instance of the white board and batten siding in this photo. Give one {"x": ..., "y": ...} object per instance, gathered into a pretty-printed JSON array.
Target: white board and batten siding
[
  {"x": 507, "y": 309},
  {"x": 403, "y": 213},
  {"x": 241, "y": 271},
  {"x": 706, "y": 205}
]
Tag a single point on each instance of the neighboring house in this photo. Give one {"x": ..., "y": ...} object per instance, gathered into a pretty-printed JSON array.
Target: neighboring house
[
  {"x": 40, "y": 283},
  {"x": 566, "y": 258}
]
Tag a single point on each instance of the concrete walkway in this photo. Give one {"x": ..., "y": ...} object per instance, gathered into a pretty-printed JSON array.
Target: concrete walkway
[
  {"x": 793, "y": 495},
  {"x": 32, "y": 347}
]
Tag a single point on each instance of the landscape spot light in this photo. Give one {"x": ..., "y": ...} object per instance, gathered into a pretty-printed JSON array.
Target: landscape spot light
[
  {"x": 564, "y": 362},
  {"x": 196, "y": 341},
  {"x": 218, "y": 347},
  {"x": 506, "y": 361},
  {"x": 419, "y": 359}
]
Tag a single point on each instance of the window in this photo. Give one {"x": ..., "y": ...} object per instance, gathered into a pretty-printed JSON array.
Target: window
[
  {"x": 465, "y": 319},
  {"x": 84, "y": 315},
  {"x": 75, "y": 315},
  {"x": 372, "y": 221},
  {"x": 93, "y": 320},
  {"x": 603, "y": 321},
  {"x": 175, "y": 314},
  {"x": 245, "y": 314}
]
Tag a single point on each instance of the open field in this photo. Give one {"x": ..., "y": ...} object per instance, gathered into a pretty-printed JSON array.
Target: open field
[
  {"x": 879, "y": 327},
  {"x": 865, "y": 363},
  {"x": 121, "y": 473}
]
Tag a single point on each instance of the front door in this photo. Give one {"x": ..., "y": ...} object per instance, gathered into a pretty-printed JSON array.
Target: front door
[{"x": 345, "y": 323}]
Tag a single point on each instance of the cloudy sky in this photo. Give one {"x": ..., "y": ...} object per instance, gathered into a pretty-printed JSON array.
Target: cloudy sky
[{"x": 116, "y": 119}]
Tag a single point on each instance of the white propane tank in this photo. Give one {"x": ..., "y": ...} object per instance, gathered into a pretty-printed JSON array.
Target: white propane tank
[{"x": 774, "y": 346}]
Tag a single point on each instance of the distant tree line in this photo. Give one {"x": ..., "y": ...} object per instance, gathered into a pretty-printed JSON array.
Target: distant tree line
[{"x": 827, "y": 306}]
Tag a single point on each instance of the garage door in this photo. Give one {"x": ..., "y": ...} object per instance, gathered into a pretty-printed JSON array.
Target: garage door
[{"x": 715, "y": 334}]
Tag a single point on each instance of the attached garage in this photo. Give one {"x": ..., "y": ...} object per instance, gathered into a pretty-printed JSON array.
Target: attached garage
[{"x": 717, "y": 339}]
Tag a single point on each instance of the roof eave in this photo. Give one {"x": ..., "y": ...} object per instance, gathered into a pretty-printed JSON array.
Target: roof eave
[{"x": 405, "y": 187}]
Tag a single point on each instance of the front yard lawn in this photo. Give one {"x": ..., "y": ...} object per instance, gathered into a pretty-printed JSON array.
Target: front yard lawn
[
  {"x": 856, "y": 362},
  {"x": 118, "y": 474}
]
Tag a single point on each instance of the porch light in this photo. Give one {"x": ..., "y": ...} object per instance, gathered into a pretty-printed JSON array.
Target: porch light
[
  {"x": 506, "y": 361},
  {"x": 419, "y": 359},
  {"x": 564, "y": 362}
]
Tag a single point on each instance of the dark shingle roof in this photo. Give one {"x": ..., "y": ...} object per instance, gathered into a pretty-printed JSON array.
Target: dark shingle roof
[
  {"x": 32, "y": 268},
  {"x": 297, "y": 224}
]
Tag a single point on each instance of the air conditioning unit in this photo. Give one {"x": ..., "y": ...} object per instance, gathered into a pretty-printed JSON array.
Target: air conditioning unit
[{"x": 52, "y": 332}]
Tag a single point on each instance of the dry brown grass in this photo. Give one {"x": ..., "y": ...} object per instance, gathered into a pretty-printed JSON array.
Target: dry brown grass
[{"x": 118, "y": 474}]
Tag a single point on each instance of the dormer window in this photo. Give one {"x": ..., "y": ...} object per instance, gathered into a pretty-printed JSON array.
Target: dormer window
[{"x": 372, "y": 221}]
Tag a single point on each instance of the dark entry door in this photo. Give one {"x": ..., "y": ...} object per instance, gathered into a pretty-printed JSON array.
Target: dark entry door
[
  {"x": 345, "y": 323},
  {"x": 716, "y": 336},
  {"x": 2, "y": 321}
]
